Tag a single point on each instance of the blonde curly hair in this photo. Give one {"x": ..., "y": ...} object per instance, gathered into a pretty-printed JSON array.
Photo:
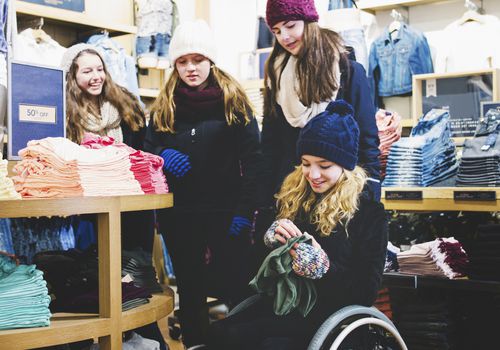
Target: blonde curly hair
[{"x": 337, "y": 206}]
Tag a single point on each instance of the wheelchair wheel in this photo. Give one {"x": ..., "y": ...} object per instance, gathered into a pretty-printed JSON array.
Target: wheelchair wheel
[{"x": 372, "y": 330}]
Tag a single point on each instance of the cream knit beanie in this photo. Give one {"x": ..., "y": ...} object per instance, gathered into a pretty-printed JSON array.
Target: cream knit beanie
[
  {"x": 73, "y": 51},
  {"x": 192, "y": 37}
]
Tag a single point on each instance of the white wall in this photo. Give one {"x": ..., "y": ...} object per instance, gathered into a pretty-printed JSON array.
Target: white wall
[
  {"x": 234, "y": 23},
  {"x": 186, "y": 9}
]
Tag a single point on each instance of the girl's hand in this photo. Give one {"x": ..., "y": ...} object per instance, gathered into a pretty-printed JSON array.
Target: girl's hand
[
  {"x": 286, "y": 230},
  {"x": 314, "y": 243}
]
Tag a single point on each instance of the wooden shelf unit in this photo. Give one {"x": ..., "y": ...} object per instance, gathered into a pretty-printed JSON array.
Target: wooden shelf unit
[
  {"x": 111, "y": 321},
  {"x": 150, "y": 93},
  {"x": 384, "y": 5},
  {"x": 441, "y": 199},
  {"x": 399, "y": 280},
  {"x": 80, "y": 20}
]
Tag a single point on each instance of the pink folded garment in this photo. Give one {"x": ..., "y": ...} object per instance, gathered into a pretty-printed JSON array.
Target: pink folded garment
[{"x": 146, "y": 167}]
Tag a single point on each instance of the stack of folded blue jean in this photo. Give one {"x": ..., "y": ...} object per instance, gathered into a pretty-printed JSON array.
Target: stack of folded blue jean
[
  {"x": 24, "y": 300},
  {"x": 426, "y": 157},
  {"x": 480, "y": 164}
]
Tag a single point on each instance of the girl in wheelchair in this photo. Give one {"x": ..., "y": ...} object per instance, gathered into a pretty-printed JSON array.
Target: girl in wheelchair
[{"x": 347, "y": 238}]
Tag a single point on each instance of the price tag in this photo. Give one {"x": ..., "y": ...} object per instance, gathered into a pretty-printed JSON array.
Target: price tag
[
  {"x": 37, "y": 114},
  {"x": 403, "y": 195},
  {"x": 474, "y": 195},
  {"x": 430, "y": 88}
]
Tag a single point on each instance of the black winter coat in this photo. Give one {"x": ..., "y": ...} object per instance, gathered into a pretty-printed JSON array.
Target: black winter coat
[
  {"x": 357, "y": 260},
  {"x": 225, "y": 163}
]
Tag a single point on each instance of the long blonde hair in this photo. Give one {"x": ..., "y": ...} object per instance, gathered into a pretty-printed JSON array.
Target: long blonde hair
[
  {"x": 236, "y": 102},
  {"x": 296, "y": 199},
  {"x": 79, "y": 105},
  {"x": 321, "y": 48}
]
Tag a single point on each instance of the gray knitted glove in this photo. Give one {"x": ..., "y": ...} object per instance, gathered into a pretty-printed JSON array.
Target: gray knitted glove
[{"x": 310, "y": 262}]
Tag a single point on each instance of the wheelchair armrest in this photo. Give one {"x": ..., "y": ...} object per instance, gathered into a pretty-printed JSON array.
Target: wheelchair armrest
[
  {"x": 244, "y": 304},
  {"x": 340, "y": 315}
]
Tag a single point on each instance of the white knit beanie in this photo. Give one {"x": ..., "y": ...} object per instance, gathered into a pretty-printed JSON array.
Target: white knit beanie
[
  {"x": 190, "y": 38},
  {"x": 73, "y": 51}
]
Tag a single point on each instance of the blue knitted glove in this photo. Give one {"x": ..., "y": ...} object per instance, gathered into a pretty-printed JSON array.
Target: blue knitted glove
[
  {"x": 175, "y": 162},
  {"x": 239, "y": 224}
]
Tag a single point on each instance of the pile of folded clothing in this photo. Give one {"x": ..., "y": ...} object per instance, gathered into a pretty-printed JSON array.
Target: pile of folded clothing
[
  {"x": 443, "y": 257},
  {"x": 146, "y": 167},
  {"x": 7, "y": 190},
  {"x": 480, "y": 163},
  {"x": 57, "y": 167},
  {"x": 24, "y": 299},
  {"x": 425, "y": 158},
  {"x": 389, "y": 131}
]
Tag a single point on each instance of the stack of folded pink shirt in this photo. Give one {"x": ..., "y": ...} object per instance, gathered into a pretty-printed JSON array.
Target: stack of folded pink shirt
[
  {"x": 147, "y": 167},
  {"x": 57, "y": 167},
  {"x": 7, "y": 190},
  {"x": 443, "y": 257},
  {"x": 389, "y": 131}
]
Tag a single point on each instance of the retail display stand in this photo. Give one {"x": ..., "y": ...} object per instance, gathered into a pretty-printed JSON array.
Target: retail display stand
[
  {"x": 111, "y": 321},
  {"x": 453, "y": 91}
]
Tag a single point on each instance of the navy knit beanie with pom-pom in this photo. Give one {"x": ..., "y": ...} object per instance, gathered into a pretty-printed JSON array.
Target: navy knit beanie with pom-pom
[{"x": 332, "y": 135}]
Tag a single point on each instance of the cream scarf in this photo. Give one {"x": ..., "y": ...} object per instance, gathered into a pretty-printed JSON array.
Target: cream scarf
[
  {"x": 107, "y": 124},
  {"x": 295, "y": 112}
]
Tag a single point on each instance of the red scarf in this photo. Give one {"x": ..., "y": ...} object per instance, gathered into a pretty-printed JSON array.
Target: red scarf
[{"x": 194, "y": 105}]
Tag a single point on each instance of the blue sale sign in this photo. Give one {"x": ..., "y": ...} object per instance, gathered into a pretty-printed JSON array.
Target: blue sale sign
[
  {"x": 37, "y": 105},
  {"x": 73, "y": 5}
]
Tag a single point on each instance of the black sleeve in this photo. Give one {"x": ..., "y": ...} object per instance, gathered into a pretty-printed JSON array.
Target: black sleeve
[
  {"x": 270, "y": 161},
  {"x": 359, "y": 97},
  {"x": 371, "y": 250},
  {"x": 134, "y": 139},
  {"x": 250, "y": 156},
  {"x": 152, "y": 140},
  {"x": 361, "y": 277}
]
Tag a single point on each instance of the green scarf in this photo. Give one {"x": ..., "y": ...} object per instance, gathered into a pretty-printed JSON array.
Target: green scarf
[{"x": 277, "y": 279}]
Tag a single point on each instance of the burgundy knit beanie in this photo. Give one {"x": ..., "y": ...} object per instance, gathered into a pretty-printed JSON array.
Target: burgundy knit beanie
[{"x": 290, "y": 10}]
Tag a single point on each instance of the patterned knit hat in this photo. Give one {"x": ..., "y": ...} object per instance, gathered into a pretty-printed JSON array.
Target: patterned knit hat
[
  {"x": 332, "y": 135},
  {"x": 192, "y": 37},
  {"x": 290, "y": 10}
]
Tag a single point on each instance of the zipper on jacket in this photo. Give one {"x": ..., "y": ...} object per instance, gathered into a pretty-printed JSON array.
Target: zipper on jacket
[{"x": 193, "y": 133}]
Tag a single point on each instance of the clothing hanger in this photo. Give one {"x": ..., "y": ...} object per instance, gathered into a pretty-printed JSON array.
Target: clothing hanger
[
  {"x": 39, "y": 34},
  {"x": 472, "y": 14},
  {"x": 395, "y": 25}
]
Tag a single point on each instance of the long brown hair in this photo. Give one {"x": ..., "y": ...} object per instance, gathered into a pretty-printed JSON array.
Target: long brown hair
[
  {"x": 337, "y": 206},
  {"x": 236, "y": 101},
  {"x": 321, "y": 48},
  {"x": 79, "y": 105}
]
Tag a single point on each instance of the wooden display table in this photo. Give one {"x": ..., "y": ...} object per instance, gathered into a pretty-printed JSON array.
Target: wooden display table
[{"x": 111, "y": 321}]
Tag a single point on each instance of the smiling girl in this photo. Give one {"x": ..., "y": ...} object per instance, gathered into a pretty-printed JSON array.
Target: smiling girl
[
  {"x": 345, "y": 259},
  {"x": 95, "y": 103},
  {"x": 203, "y": 126}
]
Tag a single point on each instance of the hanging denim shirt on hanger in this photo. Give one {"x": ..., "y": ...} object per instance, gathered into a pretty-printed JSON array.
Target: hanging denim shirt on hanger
[
  {"x": 120, "y": 66},
  {"x": 392, "y": 63}
]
